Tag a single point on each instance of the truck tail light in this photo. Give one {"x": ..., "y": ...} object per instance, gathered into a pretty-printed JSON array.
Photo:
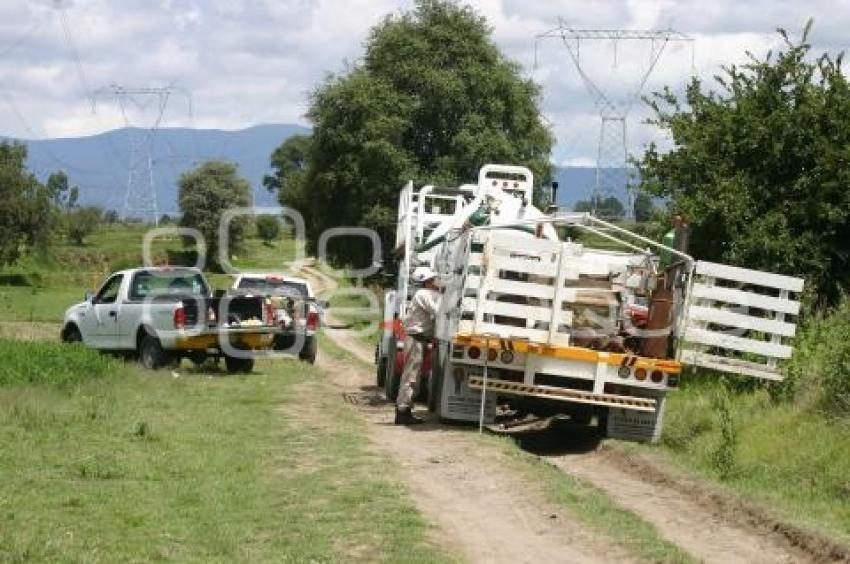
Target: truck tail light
[
  {"x": 474, "y": 353},
  {"x": 312, "y": 321},
  {"x": 657, "y": 376},
  {"x": 180, "y": 317},
  {"x": 269, "y": 312}
]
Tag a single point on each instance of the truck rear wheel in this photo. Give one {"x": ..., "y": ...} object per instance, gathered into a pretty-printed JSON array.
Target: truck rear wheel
[
  {"x": 381, "y": 371},
  {"x": 309, "y": 350},
  {"x": 391, "y": 384},
  {"x": 151, "y": 354},
  {"x": 237, "y": 365}
]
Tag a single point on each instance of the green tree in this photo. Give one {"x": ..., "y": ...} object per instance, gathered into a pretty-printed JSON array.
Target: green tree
[
  {"x": 60, "y": 191},
  {"x": 643, "y": 207},
  {"x": 608, "y": 208},
  {"x": 433, "y": 100},
  {"x": 760, "y": 164},
  {"x": 205, "y": 194},
  {"x": 268, "y": 228},
  {"x": 289, "y": 162},
  {"x": 26, "y": 218},
  {"x": 82, "y": 222}
]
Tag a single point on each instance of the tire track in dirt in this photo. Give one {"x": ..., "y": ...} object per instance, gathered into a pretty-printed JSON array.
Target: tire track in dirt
[
  {"x": 678, "y": 517},
  {"x": 701, "y": 527},
  {"x": 481, "y": 508}
]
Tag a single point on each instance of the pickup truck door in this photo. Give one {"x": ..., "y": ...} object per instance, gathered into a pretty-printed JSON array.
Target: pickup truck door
[
  {"x": 100, "y": 327},
  {"x": 739, "y": 320}
]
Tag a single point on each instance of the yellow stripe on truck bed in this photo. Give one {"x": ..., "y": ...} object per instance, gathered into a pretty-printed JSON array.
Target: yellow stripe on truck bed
[{"x": 571, "y": 353}]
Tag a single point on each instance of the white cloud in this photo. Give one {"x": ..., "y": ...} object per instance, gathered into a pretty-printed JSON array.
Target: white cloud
[{"x": 255, "y": 61}]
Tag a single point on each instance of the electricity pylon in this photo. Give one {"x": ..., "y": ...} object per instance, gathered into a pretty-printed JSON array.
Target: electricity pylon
[
  {"x": 611, "y": 156},
  {"x": 140, "y": 195}
]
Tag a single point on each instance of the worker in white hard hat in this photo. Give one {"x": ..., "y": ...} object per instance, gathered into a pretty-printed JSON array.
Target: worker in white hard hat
[{"x": 419, "y": 327}]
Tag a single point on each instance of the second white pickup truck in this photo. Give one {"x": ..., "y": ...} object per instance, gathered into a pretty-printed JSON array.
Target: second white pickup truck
[
  {"x": 297, "y": 311},
  {"x": 168, "y": 313}
]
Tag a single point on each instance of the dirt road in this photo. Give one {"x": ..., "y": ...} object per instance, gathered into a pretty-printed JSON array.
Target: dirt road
[{"x": 485, "y": 513}]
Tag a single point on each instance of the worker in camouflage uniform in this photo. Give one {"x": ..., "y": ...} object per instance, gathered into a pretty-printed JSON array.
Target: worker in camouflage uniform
[{"x": 419, "y": 327}]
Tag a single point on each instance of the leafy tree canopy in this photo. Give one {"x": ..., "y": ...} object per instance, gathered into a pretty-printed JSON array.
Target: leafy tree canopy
[
  {"x": 433, "y": 100},
  {"x": 760, "y": 164},
  {"x": 205, "y": 194},
  {"x": 82, "y": 222},
  {"x": 606, "y": 208},
  {"x": 26, "y": 217}
]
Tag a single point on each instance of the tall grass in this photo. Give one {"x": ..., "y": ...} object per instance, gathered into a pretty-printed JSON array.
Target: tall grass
[
  {"x": 786, "y": 443},
  {"x": 819, "y": 373},
  {"x": 54, "y": 365}
]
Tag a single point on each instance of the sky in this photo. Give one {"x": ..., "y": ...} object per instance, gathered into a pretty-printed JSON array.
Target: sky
[{"x": 236, "y": 63}]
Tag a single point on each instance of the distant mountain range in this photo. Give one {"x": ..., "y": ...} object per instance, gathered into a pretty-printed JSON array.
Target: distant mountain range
[{"x": 98, "y": 163}]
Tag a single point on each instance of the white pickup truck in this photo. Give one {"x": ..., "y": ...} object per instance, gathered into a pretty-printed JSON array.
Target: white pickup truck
[
  {"x": 168, "y": 313},
  {"x": 297, "y": 312}
]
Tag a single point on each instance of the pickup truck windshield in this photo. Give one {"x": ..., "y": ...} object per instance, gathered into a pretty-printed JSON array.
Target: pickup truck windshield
[
  {"x": 154, "y": 284},
  {"x": 275, "y": 286}
]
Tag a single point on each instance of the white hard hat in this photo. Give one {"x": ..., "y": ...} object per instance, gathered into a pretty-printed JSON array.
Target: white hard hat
[{"x": 422, "y": 274}]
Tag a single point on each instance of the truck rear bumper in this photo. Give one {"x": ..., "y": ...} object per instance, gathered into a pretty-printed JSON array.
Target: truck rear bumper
[
  {"x": 564, "y": 394},
  {"x": 241, "y": 339}
]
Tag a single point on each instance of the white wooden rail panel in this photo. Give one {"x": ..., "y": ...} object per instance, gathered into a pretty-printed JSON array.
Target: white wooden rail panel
[
  {"x": 514, "y": 241},
  {"x": 572, "y": 295},
  {"x": 473, "y": 281},
  {"x": 748, "y": 276},
  {"x": 743, "y": 321},
  {"x": 538, "y": 268},
  {"x": 741, "y": 297},
  {"x": 533, "y": 335},
  {"x": 468, "y": 304},
  {"x": 530, "y": 289},
  {"x": 586, "y": 267},
  {"x": 517, "y": 310},
  {"x": 475, "y": 259},
  {"x": 725, "y": 364},
  {"x": 695, "y": 334}
]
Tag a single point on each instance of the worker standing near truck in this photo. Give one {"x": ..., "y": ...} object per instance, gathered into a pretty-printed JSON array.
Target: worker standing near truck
[{"x": 419, "y": 328}]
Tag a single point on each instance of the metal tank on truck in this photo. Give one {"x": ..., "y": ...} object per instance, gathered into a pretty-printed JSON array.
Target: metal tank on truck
[{"x": 542, "y": 325}]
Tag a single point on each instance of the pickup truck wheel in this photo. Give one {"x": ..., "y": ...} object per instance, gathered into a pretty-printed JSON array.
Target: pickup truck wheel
[
  {"x": 72, "y": 335},
  {"x": 198, "y": 358},
  {"x": 309, "y": 350},
  {"x": 237, "y": 365},
  {"x": 151, "y": 353},
  {"x": 382, "y": 372}
]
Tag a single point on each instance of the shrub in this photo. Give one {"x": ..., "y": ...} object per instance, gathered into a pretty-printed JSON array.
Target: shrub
[
  {"x": 820, "y": 369},
  {"x": 53, "y": 365},
  {"x": 268, "y": 228}
]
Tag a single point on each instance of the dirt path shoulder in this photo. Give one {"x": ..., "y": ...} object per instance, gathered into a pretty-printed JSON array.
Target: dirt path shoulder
[{"x": 457, "y": 486}]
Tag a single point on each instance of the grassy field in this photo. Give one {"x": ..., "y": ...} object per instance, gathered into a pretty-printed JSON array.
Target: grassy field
[
  {"x": 41, "y": 288},
  {"x": 106, "y": 462}
]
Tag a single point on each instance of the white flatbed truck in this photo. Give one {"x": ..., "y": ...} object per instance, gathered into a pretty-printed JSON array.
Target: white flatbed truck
[{"x": 547, "y": 326}]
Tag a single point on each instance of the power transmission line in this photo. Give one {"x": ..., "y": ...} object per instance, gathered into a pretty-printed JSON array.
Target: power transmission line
[
  {"x": 611, "y": 157},
  {"x": 140, "y": 195}
]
